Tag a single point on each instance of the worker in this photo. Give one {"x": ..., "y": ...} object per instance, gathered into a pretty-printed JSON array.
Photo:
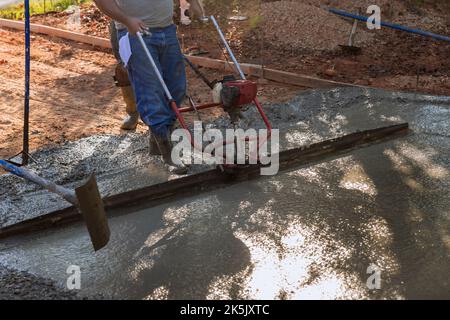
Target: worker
[
  {"x": 154, "y": 19},
  {"x": 188, "y": 10}
]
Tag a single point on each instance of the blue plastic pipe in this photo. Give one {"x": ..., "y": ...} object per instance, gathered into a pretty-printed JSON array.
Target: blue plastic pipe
[
  {"x": 67, "y": 194},
  {"x": 391, "y": 25}
]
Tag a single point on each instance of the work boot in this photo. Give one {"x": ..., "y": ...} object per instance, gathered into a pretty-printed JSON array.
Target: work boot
[
  {"x": 154, "y": 149},
  {"x": 165, "y": 147},
  {"x": 132, "y": 118}
]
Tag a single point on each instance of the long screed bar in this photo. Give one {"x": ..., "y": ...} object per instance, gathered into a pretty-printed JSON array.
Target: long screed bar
[{"x": 194, "y": 184}]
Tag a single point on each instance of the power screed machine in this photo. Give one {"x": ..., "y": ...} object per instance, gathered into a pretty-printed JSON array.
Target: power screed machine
[{"x": 230, "y": 94}]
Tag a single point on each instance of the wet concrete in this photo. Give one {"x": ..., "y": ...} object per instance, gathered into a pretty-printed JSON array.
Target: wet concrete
[
  {"x": 18, "y": 285},
  {"x": 121, "y": 163},
  {"x": 308, "y": 233}
]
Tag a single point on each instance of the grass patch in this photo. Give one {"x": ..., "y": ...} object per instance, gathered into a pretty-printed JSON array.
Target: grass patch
[{"x": 15, "y": 12}]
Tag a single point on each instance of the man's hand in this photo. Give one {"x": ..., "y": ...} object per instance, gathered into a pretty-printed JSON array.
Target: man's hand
[{"x": 135, "y": 25}]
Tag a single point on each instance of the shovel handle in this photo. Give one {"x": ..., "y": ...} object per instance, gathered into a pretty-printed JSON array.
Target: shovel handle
[{"x": 67, "y": 194}]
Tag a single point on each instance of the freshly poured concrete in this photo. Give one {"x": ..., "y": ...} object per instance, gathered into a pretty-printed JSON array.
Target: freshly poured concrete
[
  {"x": 122, "y": 163},
  {"x": 308, "y": 233}
]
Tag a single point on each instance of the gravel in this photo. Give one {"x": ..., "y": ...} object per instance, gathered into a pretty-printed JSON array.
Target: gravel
[
  {"x": 20, "y": 285},
  {"x": 408, "y": 12},
  {"x": 307, "y": 26},
  {"x": 303, "y": 27}
]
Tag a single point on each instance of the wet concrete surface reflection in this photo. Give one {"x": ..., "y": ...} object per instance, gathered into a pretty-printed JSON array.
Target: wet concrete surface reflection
[
  {"x": 304, "y": 234},
  {"x": 310, "y": 233}
]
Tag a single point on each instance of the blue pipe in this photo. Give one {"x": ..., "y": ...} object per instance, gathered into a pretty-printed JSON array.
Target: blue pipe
[
  {"x": 66, "y": 193},
  {"x": 11, "y": 168},
  {"x": 391, "y": 25}
]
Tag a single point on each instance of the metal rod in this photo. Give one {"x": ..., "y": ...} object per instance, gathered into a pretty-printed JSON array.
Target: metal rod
[
  {"x": 155, "y": 68},
  {"x": 199, "y": 73},
  {"x": 352, "y": 33},
  {"x": 191, "y": 101},
  {"x": 172, "y": 102},
  {"x": 26, "y": 109},
  {"x": 200, "y": 107},
  {"x": 222, "y": 37}
]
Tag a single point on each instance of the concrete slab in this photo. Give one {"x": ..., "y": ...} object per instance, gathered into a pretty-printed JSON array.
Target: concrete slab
[
  {"x": 309, "y": 233},
  {"x": 122, "y": 163}
]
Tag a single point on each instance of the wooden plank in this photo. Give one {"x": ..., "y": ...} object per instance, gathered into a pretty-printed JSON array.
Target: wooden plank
[
  {"x": 211, "y": 180},
  {"x": 302, "y": 80},
  {"x": 250, "y": 69},
  {"x": 269, "y": 74},
  {"x": 60, "y": 33}
]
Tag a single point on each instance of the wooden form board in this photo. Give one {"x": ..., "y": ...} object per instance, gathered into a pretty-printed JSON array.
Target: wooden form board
[
  {"x": 250, "y": 69},
  {"x": 60, "y": 33}
]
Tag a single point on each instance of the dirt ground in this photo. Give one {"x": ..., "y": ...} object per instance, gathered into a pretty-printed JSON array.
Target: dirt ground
[{"x": 73, "y": 95}]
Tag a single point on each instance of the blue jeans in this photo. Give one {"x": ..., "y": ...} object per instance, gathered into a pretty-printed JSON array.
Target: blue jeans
[{"x": 151, "y": 102}]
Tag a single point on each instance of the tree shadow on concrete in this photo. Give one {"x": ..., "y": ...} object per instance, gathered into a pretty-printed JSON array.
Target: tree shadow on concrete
[
  {"x": 414, "y": 222},
  {"x": 409, "y": 203},
  {"x": 202, "y": 246},
  {"x": 199, "y": 251}
]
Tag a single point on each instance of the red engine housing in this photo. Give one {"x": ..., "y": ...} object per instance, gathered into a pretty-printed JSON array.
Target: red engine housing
[{"x": 248, "y": 90}]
